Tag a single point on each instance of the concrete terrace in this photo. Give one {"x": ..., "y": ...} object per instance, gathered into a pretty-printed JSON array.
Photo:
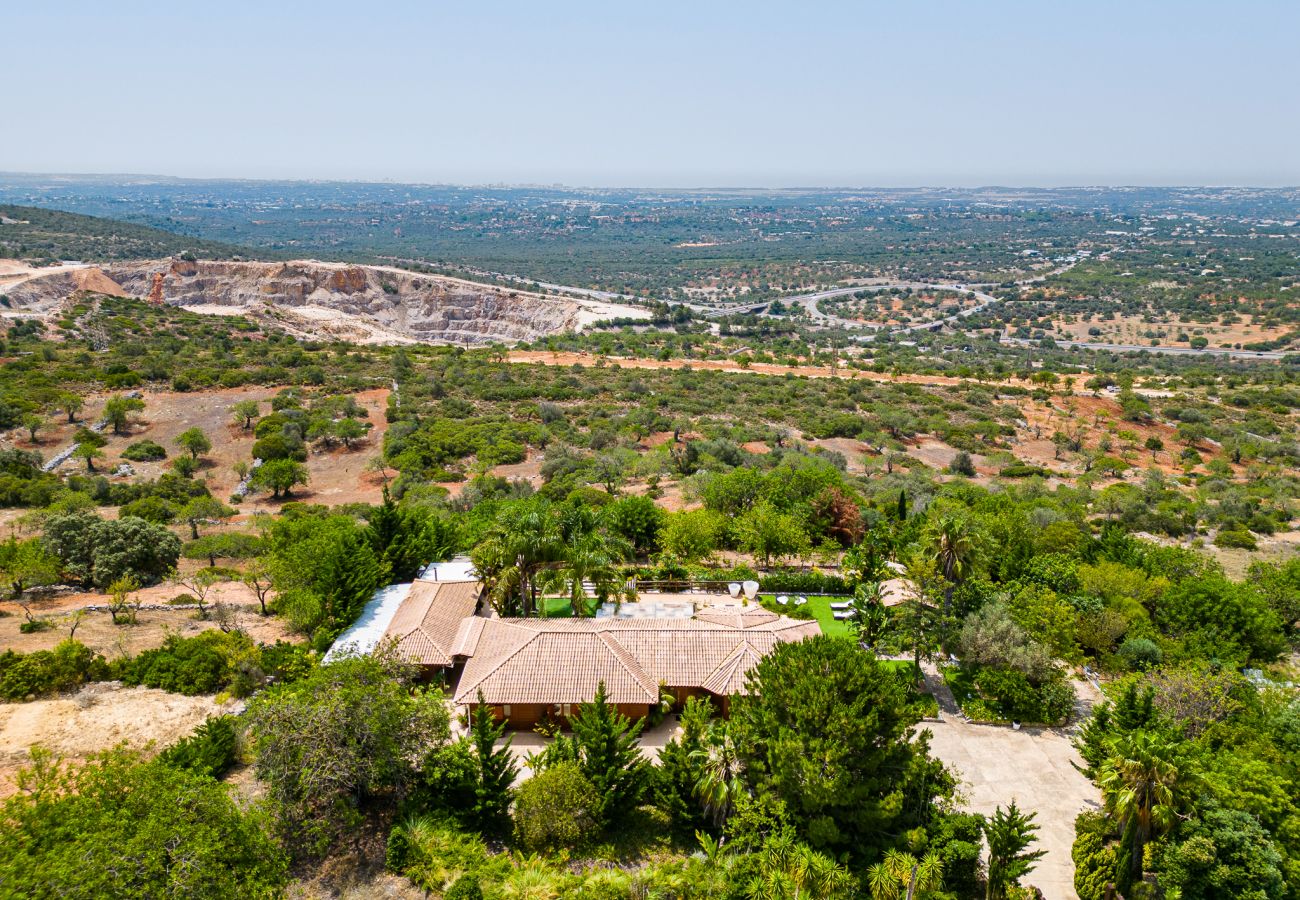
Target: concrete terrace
[{"x": 1032, "y": 766}]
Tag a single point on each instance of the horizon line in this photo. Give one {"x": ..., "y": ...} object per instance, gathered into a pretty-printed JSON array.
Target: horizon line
[{"x": 563, "y": 186}]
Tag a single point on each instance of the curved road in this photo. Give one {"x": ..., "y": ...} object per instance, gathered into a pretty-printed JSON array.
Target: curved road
[{"x": 809, "y": 303}]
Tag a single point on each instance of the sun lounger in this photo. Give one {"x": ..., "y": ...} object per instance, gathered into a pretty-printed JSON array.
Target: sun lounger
[
  {"x": 801, "y": 601},
  {"x": 841, "y": 605},
  {"x": 843, "y": 614},
  {"x": 783, "y": 600}
]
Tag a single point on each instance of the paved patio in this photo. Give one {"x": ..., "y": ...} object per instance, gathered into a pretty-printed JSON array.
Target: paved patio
[{"x": 1032, "y": 766}]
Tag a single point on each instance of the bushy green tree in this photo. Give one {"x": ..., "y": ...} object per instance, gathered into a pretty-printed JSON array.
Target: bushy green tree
[
  {"x": 1224, "y": 855},
  {"x": 494, "y": 786},
  {"x": 26, "y": 564},
  {"x": 243, "y": 412},
  {"x": 1220, "y": 619},
  {"x": 324, "y": 570},
  {"x": 692, "y": 535},
  {"x": 279, "y": 476},
  {"x": 638, "y": 520},
  {"x": 677, "y": 775},
  {"x": 346, "y": 733},
  {"x": 828, "y": 730},
  {"x": 119, "y": 827},
  {"x": 202, "y": 510},
  {"x": 118, "y": 410},
  {"x": 194, "y": 442},
  {"x": 98, "y": 552},
  {"x": 556, "y": 809},
  {"x": 409, "y": 538},
  {"x": 770, "y": 534}
]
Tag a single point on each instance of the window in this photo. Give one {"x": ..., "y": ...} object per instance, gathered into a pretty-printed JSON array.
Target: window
[{"x": 505, "y": 711}]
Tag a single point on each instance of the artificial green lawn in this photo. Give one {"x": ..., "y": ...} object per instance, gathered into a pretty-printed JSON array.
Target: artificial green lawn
[{"x": 819, "y": 606}]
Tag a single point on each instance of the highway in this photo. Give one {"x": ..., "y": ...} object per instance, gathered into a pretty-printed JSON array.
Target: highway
[{"x": 809, "y": 303}]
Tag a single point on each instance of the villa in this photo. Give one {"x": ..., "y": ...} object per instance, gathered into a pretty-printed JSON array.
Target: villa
[{"x": 531, "y": 670}]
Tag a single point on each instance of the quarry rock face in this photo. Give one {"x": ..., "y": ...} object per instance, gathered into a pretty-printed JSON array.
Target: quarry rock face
[
  {"x": 369, "y": 303},
  {"x": 46, "y": 292}
]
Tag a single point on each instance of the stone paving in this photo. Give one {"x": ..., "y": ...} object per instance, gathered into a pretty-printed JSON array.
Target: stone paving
[{"x": 1031, "y": 766}]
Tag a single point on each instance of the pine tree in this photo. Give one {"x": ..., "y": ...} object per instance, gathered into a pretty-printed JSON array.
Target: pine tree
[
  {"x": 1009, "y": 834},
  {"x": 497, "y": 771},
  {"x": 1135, "y": 708},
  {"x": 609, "y": 745},
  {"x": 679, "y": 769},
  {"x": 408, "y": 539}
]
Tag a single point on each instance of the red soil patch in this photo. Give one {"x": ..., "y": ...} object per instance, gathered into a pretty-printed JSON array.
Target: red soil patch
[{"x": 98, "y": 632}]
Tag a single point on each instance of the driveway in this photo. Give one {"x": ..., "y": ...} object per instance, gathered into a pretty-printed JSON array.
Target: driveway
[{"x": 1032, "y": 766}]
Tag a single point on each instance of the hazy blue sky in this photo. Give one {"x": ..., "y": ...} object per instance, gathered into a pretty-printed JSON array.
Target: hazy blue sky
[{"x": 659, "y": 93}]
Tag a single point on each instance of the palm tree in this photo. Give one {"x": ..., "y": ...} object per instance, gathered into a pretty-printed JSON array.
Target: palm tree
[
  {"x": 868, "y": 612},
  {"x": 903, "y": 877},
  {"x": 514, "y": 553},
  {"x": 594, "y": 557},
  {"x": 788, "y": 870},
  {"x": 721, "y": 781},
  {"x": 953, "y": 547},
  {"x": 1142, "y": 787}
]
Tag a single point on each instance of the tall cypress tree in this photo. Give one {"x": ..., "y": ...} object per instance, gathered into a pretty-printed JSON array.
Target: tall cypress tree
[
  {"x": 496, "y": 773},
  {"x": 610, "y": 750}
]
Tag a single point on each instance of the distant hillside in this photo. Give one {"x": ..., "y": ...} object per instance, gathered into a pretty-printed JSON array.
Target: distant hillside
[{"x": 27, "y": 232}]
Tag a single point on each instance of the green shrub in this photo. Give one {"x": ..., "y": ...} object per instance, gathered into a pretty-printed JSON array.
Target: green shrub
[
  {"x": 465, "y": 888},
  {"x": 557, "y": 809},
  {"x": 151, "y": 509},
  {"x": 285, "y": 661},
  {"x": 961, "y": 465},
  {"x": 1140, "y": 653},
  {"x": 212, "y": 750},
  {"x": 204, "y": 664},
  {"x": 41, "y": 672},
  {"x": 119, "y": 826},
  {"x": 144, "y": 451},
  {"x": 1094, "y": 859},
  {"x": 1237, "y": 538},
  {"x": 433, "y": 854},
  {"x": 1022, "y": 470},
  {"x": 1010, "y": 694},
  {"x": 794, "y": 582}
]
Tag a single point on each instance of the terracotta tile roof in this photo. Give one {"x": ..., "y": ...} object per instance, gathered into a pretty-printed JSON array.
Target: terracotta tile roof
[
  {"x": 729, "y": 677},
  {"x": 552, "y": 667},
  {"x": 545, "y": 661},
  {"x": 427, "y": 623},
  {"x": 467, "y": 636}
]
